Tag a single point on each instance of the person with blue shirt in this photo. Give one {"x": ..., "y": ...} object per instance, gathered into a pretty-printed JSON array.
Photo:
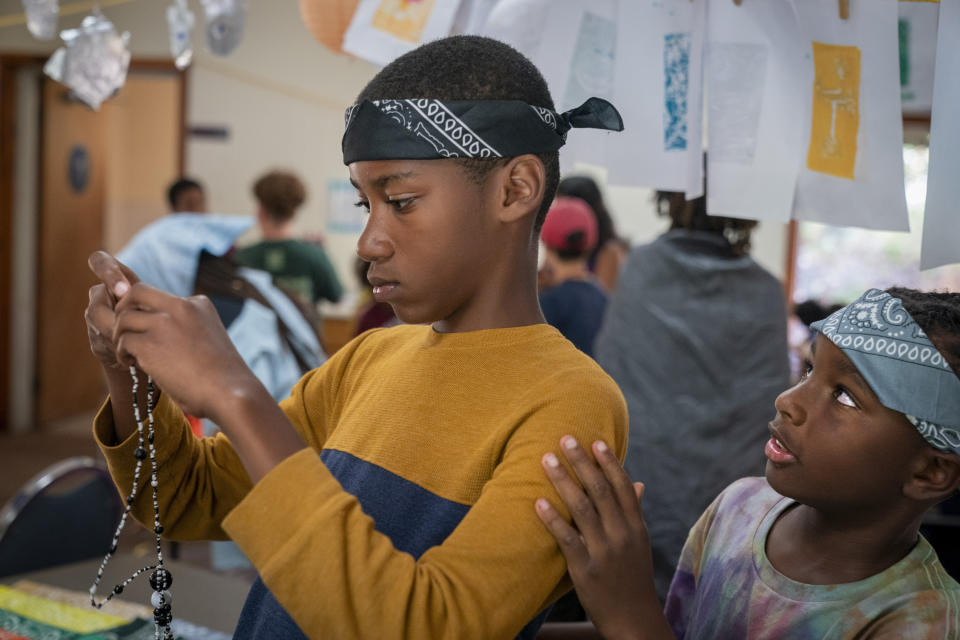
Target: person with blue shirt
[{"x": 573, "y": 302}]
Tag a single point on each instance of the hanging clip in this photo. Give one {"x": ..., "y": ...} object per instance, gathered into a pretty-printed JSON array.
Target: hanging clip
[
  {"x": 844, "y": 9},
  {"x": 738, "y": 2}
]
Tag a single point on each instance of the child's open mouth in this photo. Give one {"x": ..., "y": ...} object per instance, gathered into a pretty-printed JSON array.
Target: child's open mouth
[{"x": 777, "y": 452}]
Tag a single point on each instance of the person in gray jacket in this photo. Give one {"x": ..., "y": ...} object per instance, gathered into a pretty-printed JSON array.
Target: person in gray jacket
[{"x": 695, "y": 336}]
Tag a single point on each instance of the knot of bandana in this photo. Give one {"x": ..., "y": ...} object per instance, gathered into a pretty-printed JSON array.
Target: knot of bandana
[
  {"x": 426, "y": 129},
  {"x": 900, "y": 364}
]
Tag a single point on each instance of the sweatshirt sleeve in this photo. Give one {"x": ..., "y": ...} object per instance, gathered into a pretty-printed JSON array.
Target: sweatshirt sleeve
[
  {"x": 321, "y": 557},
  {"x": 202, "y": 479}
]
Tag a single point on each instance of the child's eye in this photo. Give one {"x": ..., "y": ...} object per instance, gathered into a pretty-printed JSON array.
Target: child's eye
[
  {"x": 363, "y": 204},
  {"x": 844, "y": 397},
  {"x": 807, "y": 370},
  {"x": 401, "y": 204}
]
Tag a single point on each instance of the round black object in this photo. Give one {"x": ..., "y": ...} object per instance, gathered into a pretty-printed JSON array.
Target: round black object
[
  {"x": 160, "y": 580},
  {"x": 140, "y": 453},
  {"x": 78, "y": 168}
]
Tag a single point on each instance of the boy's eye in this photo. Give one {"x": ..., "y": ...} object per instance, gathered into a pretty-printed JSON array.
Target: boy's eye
[
  {"x": 363, "y": 204},
  {"x": 844, "y": 398},
  {"x": 807, "y": 370},
  {"x": 400, "y": 204}
]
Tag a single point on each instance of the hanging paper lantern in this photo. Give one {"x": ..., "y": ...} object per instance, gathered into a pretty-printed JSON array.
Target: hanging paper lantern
[
  {"x": 42, "y": 18},
  {"x": 328, "y": 20}
]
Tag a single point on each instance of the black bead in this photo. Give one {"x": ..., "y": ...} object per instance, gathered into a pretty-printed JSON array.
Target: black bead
[
  {"x": 162, "y": 609},
  {"x": 140, "y": 453},
  {"x": 162, "y": 618},
  {"x": 158, "y": 529},
  {"x": 129, "y": 499},
  {"x": 161, "y": 580},
  {"x": 118, "y": 589},
  {"x": 150, "y": 438},
  {"x": 113, "y": 548}
]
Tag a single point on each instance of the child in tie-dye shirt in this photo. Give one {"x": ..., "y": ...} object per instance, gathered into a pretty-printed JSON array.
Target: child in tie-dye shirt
[{"x": 862, "y": 447}]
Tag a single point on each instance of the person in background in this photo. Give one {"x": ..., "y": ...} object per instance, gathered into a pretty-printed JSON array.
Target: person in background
[
  {"x": 572, "y": 301},
  {"x": 695, "y": 336},
  {"x": 608, "y": 256},
  {"x": 186, "y": 196},
  {"x": 297, "y": 266}
]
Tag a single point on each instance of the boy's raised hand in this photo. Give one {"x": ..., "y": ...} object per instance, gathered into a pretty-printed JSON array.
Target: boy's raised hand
[
  {"x": 180, "y": 342},
  {"x": 608, "y": 551}
]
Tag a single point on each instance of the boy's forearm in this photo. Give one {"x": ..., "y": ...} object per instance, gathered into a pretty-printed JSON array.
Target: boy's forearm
[
  {"x": 120, "y": 389},
  {"x": 257, "y": 427}
]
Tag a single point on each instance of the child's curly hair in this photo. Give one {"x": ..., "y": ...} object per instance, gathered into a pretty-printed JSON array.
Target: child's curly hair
[{"x": 938, "y": 314}]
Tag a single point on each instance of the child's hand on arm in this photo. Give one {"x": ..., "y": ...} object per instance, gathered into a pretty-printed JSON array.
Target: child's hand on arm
[{"x": 608, "y": 553}]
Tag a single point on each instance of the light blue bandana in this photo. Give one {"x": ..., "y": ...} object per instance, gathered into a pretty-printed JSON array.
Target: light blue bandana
[{"x": 900, "y": 364}]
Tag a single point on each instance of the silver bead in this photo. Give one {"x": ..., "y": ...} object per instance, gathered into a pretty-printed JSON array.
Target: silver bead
[{"x": 160, "y": 597}]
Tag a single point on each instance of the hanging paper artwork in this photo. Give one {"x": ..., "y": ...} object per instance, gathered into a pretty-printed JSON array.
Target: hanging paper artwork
[
  {"x": 657, "y": 86},
  {"x": 382, "y": 30},
  {"x": 225, "y": 22},
  {"x": 917, "y": 30},
  {"x": 42, "y": 18},
  {"x": 519, "y": 23},
  {"x": 753, "y": 72},
  {"x": 852, "y": 171},
  {"x": 472, "y": 16},
  {"x": 180, "y": 21},
  {"x": 940, "y": 245},
  {"x": 93, "y": 61}
]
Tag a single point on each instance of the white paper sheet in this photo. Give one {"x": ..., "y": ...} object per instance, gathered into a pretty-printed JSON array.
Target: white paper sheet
[
  {"x": 472, "y": 16},
  {"x": 917, "y": 25},
  {"x": 382, "y": 30},
  {"x": 852, "y": 166},
  {"x": 941, "y": 237},
  {"x": 755, "y": 100},
  {"x": 658, "y": 89}
]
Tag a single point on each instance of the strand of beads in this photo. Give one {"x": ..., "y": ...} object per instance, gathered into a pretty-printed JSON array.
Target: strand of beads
[{"x": 160, "y": 579}]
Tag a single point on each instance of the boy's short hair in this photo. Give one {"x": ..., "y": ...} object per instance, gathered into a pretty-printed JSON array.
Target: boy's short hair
[
  {"x": 280, "y": 193},
  {"x": 470, "y": 68},
  {"x": 178, "y": 187},
  {"x": 938, "y": 314}
]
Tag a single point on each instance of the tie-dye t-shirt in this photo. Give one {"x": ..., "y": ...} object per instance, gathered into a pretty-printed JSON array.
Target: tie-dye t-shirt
[{"x": 725, "y": 587}]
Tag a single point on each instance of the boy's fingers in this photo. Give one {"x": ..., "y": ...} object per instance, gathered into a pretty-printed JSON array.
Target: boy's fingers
[
  {"x": 622, "y": 486},
  {"x": 114, "y": 275},
  {"x": 580, "y": 506},
  {"x": 146, "y": 298},
  {"x": 134, "y": 321},
  {"x": 595, "y": 482},
  {"x": 567, "y": 537}
]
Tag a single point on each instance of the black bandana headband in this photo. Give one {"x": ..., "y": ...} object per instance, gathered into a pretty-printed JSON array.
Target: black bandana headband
[{"x": 426, "y": 129}]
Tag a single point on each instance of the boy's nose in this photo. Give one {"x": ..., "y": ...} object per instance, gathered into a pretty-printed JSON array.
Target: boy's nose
[
  {"x": 789, "y": 404},
  {"x": 374, "y": 243}
]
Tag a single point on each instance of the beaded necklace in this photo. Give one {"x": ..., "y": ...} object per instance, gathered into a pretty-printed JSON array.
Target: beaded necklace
[{"x": 160, "y": 579}]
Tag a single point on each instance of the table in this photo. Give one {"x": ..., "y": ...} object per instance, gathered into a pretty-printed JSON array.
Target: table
[{"x": 200, "y": 596}]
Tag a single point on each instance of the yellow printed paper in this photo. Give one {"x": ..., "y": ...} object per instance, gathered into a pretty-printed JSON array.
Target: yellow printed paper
[
  {"x": 836, "y": 110},
  {"x": 56, "y": 614},
  {"x": 81, "y": 599},
  {"x": 403, "y": 19}
]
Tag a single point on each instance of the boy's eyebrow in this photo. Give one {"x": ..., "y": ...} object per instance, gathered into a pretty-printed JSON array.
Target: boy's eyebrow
[
  {"x": 848, "y": 368},
  {"x": 382, "y": 181}
]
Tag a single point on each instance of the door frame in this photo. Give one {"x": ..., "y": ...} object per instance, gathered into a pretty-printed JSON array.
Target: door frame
[{"x": 10, "y": 64}]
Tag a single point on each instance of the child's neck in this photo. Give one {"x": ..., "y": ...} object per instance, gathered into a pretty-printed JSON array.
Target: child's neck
[{"x": 815, "y": 547}]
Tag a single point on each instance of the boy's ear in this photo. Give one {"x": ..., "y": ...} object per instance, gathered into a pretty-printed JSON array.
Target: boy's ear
[
  {"x": 523, "y": 182},
  {"x": 935, "y": 477}
]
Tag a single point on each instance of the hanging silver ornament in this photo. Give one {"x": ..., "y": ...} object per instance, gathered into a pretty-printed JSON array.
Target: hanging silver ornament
[
  {"x": 42, "y": 18},
  {"x": 180, "y": 20},
  {"x": 225, "y": 19},
  {"x": 93, "y": 61}
]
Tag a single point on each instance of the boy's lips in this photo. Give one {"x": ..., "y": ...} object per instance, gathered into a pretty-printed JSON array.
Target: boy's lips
[
  {"x": 777, "y": 450},
  {"x": 383, "y": 289}
]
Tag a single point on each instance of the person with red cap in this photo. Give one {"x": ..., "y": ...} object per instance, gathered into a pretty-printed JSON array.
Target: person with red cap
[{"x": 572, "y": 301}]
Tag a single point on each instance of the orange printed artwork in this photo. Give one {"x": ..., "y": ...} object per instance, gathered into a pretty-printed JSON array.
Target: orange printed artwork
[
  {"x": 403, "y": 19},
  {"x": 836, "y": 110}
]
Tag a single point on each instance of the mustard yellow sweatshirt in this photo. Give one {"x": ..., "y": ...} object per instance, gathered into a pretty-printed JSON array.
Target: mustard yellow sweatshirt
[{"x": 410, "y": 513}]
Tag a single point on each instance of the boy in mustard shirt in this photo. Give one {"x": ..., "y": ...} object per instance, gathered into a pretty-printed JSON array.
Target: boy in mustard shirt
[{"x": 388, "y": 496}]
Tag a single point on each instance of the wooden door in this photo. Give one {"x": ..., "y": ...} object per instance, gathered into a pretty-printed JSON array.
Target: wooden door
[{"x": 72, "y": 191}]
